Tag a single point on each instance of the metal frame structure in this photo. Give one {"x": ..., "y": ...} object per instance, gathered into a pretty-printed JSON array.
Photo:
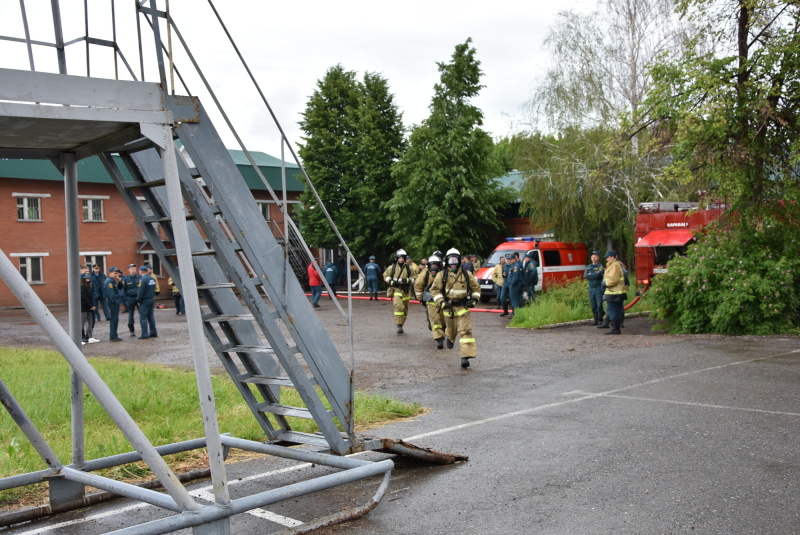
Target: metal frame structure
[{"x": 265, "y": 334}]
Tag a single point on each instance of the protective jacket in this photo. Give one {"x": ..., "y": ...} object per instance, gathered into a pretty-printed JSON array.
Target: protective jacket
[
  {"x": 614, "y": 279},
  {"x": 399, "y": 276},
  {"x": 455, "y": 289},
  {"x": 497, "y": 274}
]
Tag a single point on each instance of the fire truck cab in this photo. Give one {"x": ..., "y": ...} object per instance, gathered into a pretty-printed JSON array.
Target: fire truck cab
[
  {"x": 558, "y": 262},
  {"x": 663, "y": 230}
]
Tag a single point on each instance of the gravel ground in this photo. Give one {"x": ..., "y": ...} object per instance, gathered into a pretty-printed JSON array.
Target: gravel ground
[{"x": 382, "y": 358}]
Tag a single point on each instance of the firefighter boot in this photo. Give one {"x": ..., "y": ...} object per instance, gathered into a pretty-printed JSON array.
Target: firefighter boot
[
  {"x": 440, "y": 343},
  {"x": 505, "y": 309},
  {"x": 596, "y": 319},
  {"x": 603, "y": 322},
  {"x": 622, "y": 321},
  {"x": 464, "y": 362},
  {"x": 614, "y": 328},
  {"x": 399, "y": 329}
]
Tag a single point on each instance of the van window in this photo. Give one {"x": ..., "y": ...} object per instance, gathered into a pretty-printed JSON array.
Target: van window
[{"x": 552, "y": 258}]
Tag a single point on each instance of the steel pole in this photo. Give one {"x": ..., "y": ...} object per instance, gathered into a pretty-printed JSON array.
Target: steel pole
[{"x": 40, "y": 313}]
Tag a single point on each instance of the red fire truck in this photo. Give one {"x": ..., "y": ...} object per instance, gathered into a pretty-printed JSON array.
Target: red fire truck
[
  {"x": 663, "y": 230},
  {"x": 558, "y": 262}
]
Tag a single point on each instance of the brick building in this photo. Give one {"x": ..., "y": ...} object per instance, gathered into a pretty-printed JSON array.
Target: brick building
[{"x": 33, "y": 222}]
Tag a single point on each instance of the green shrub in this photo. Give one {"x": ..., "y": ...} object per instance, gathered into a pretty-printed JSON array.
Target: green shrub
[{"x": 732, "y": 283}]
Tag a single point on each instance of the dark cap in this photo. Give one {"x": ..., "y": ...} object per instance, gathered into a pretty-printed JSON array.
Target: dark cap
[
  {"x": 595, "y": 253},
  {"x": 131, "y": 265},
  {"x": 611, "y": 252},
  {"x": 96, "y": 266},
  {"x": 144, "y": 268},
  {"x": 372, "y": 258},
  {"x": 113, "y": 268}
]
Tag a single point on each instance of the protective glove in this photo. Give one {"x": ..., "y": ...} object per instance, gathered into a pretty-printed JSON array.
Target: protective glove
[
  {"x": 470, "y": 302},
  {"x": 442, "y": 304}
]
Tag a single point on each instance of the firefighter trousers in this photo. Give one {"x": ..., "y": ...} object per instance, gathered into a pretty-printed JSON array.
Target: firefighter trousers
[
  {"x": 458, "y": 322},
  {"x": 400, "y": 299},
  {"x": 435, "y": 318}
]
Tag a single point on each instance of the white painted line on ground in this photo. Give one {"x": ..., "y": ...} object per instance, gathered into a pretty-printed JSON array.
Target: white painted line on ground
[
  {"x": 608, "y": 393},
  {"x": 592, "y": 396},
  {"x": 705, "y": 405},
  {"x": 260, "y": 513}
]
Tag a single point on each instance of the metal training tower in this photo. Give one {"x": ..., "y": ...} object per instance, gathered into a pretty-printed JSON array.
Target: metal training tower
[{"x": 241, "y": 293}]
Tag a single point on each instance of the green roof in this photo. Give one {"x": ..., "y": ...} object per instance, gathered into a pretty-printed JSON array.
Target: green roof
[{"x": 92, "y": 170}]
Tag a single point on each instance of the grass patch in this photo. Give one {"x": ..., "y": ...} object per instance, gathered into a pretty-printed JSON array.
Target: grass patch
[
  {"x": 561, "y": 303},
  {"x": 163, "y": 402}
]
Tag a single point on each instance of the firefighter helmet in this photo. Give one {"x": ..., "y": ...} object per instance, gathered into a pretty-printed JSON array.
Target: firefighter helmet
[
  {"x": 453, "y": 257},
  {"x": 435, "y": 259},
  {"x": 400, "y": 253}
]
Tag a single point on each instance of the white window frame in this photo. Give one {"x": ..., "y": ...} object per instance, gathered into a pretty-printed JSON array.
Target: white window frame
[
  {"x": 96, "y": 257},
  {"x": 150, "y": 257},
  {"x": 90, "y": 203},
  {"x": 24, "y": 201},
  {"x": 25, "y": 261}
]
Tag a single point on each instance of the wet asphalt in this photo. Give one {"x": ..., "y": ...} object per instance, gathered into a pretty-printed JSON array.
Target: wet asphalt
[{"x": 566, "y": 433}]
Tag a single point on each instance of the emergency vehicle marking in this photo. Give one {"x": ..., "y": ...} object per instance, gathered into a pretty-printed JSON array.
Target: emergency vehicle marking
[{"x": 679, "y": 224}]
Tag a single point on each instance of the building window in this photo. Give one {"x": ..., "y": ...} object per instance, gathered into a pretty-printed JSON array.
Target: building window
[
  {"x": 154, "y": 262},
  {"x": 29, "y": 209},
  {"x": 30, "y": 266},
  {"x": 96, "y": 259},
  {"x": 93, "y": 210},
  {"x": 264, "y": 207}
]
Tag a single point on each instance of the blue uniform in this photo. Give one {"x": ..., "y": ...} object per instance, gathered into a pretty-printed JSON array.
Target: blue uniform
[
  {"x": 594, "y": 274},
  {"x": 98, "y": 301},
  {"x": 112, "y": 292},
  {"x": 514, "y": 283},
  {"x": 331, "y": 273},
  {"x": 130, "y": 285},
  {"x": 373, "y": 273},
  {"x": 530, "y": 277},
  {"x": 146, "y": 298}
]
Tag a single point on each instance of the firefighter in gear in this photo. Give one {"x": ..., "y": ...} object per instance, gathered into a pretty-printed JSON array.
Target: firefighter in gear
[
  {"x": 422, "y": 286},
  {"x": 399, "y": 279},
  {"x": 497, "y": 278},
  {"x": 614, "y": 295},
  {"x": 455, "y": 291},
  {"x": 594, "y": 274}
]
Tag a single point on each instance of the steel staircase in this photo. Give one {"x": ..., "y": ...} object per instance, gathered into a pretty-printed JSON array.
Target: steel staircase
[{"x": 255, "y": 313}]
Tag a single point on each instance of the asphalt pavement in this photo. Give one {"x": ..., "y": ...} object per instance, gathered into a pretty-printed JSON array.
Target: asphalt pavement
[{"x": 567, "y": 432}]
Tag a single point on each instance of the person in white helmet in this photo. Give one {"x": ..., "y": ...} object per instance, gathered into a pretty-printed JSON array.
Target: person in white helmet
[
  {"x": 422, "y": 287},
  {"x": 455, "y": 291},
  {"x": 399, "y": 278}
]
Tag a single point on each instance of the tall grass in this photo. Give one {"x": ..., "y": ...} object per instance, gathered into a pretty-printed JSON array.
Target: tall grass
[
  {"x": 561, "y": 303},
  {"x": 163, "y": 402}
]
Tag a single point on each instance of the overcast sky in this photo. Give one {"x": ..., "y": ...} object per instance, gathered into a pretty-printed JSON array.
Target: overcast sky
[{"x": 290, "y": 45}]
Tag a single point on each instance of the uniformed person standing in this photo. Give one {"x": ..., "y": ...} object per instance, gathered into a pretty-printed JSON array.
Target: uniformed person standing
[
  {"x": 530, "y": 275},
  {"x": 399, "y": 280},
  {"x": 594, "y": 274},
  {"x": 130, "y": 285},
  {"x": 373, "y": 273},
  {"x": 506, "y": 288},
  {"x": 456, "y": 290},
  {"x": 514, "y": 283},
  {"x": 423, "y": 288},
  {"x": 113, "y": 293},
  {"x": 146, "y": 299},
  {"x": 614, "y": 295},
  {"x": 497, "y": 278},
  {"x": 98, "y": 278}
]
